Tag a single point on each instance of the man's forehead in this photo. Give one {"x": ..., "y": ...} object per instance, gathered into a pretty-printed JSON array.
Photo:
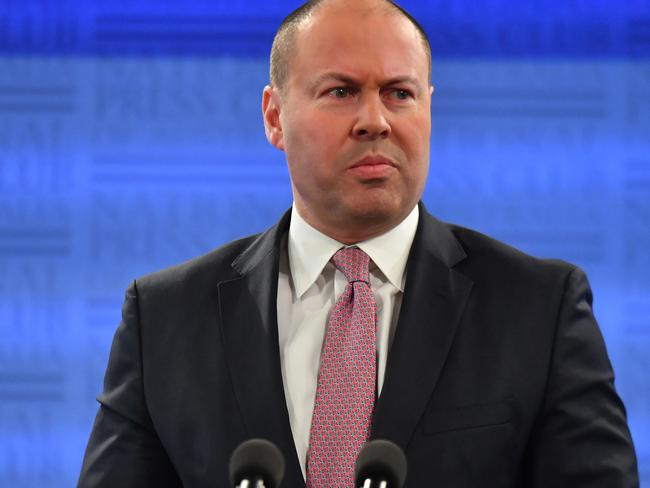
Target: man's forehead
[
  {"x": 345, "y": 40},
  {"x": 334, "y": 24}
]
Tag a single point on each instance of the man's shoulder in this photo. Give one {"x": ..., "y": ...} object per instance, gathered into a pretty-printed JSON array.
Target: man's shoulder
[
  {"x": 227, "y": 262},
  {"x": 204, "y": 270},
  {"x": 490, "y": 257}
]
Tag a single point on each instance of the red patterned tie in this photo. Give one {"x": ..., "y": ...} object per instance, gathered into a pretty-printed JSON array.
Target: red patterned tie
[{"x": 345, "y": 393}]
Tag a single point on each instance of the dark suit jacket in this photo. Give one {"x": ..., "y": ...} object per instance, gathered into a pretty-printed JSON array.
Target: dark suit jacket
[{"x": 497, "y": 377}]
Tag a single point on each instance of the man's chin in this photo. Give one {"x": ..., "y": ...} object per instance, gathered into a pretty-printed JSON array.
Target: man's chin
[{"x": 387, "y": 211}]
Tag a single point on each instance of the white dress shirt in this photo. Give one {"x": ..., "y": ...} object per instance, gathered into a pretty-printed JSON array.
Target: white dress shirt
[{"x": 308, "y": 286}]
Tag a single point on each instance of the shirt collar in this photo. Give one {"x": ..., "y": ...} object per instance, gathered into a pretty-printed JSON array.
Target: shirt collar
[{"x": 310, "y": 250}]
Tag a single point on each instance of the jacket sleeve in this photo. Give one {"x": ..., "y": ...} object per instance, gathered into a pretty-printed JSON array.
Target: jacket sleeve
[
  {"x": 124, "y": 450},
  {"x": 581, "y": 438}
]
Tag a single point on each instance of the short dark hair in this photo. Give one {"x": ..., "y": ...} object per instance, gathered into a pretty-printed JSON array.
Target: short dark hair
[{"x": 283, "y": 42}]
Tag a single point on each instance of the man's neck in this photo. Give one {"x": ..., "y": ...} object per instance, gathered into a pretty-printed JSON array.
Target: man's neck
[{"x": 352, "y": 231}]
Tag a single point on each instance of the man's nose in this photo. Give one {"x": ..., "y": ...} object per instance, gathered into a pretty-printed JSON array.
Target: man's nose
[{"x": 371, "y": 121}]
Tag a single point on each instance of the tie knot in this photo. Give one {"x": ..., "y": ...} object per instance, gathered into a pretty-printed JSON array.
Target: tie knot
[{"x": 353, "y": 263}]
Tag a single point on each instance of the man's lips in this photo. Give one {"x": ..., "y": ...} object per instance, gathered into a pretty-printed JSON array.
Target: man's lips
[
  {"x": 373, "y": 167},
  {"x": 373, "y": 161}
]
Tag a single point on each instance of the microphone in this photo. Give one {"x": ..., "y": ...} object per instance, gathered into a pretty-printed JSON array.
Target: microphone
[
  {"x": 381, "y": 464},
  {"x": 256, "y": 463}
]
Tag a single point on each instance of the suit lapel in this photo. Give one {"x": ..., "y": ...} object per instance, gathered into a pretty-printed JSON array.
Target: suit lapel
[
  {"x": 434, "y": 299},
  {"x": 248, "y": 314}
]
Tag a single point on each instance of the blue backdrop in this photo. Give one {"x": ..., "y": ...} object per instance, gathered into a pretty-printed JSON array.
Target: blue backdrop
[{"x": 131, "y": 139}]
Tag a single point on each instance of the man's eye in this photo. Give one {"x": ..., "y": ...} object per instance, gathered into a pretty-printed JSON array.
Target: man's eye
[
  {"x": 340, "y": 92},
  {"x": 400, "y": 94}
]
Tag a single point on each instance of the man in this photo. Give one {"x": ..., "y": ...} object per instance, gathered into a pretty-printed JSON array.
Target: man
[{"x": 485, "y": 365}]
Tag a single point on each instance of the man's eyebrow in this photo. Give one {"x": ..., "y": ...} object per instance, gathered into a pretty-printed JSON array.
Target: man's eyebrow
[
  {"x": 339, "y": 77},
  {"x": 402, "y": 79},
  {"x": 349, "y": 80}
]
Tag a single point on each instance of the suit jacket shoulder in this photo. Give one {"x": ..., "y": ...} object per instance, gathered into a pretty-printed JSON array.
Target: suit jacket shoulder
[
  {"x": 210, "y": 268},
  {"x": 496, "y": 254}
]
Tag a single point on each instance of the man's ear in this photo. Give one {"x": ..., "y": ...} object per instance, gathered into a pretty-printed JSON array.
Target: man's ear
[{"x": 271, "y": 114}]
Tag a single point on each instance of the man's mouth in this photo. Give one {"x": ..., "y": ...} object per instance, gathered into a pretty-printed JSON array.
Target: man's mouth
[{"x": 373, "y": 167}]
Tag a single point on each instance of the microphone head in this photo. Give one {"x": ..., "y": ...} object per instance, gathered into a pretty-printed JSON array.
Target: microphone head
[
  {"x": 381, "y": 460},
  {"x": 257, "y": 458}
]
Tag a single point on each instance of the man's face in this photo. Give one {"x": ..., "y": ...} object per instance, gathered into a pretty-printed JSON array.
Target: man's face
[{"x": 354, "y": 119}]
